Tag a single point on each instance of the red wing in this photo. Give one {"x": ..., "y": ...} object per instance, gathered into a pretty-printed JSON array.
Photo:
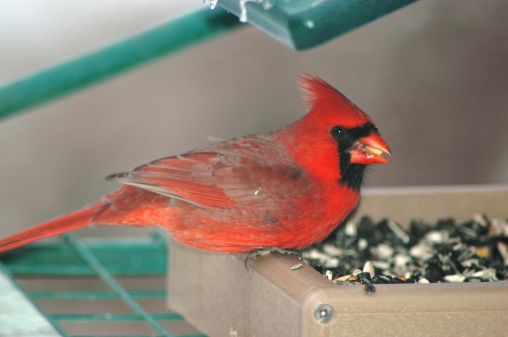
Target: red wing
[
  {"x": 251, "y": 172},
  {"x": 187, "y": 178}
]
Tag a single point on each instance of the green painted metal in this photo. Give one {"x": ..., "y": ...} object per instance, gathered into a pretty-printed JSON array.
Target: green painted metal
[
  {"x": 190, "y": 335},
  {"x": 93, "y": 258},
  {"x": 120, "y": 257},
  {"x": 115, "y": 317},
  {"x": 303, "y": 24},
  {"x": 108, "y": 278},
  {"x": 99, "y": 65},
  {"x": 94, "y": 295}
]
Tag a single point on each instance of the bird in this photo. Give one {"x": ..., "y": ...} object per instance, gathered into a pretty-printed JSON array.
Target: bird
[{"x": 286, "y": 189}]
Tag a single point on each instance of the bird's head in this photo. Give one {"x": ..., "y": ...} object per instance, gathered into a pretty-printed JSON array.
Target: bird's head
[{"x": 335, "y": 124}]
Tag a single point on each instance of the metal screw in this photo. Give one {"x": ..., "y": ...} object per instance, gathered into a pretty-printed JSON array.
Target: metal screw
[{"x": 323, "y": 313}]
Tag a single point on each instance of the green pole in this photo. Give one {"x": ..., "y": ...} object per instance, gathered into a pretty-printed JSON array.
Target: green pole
[{"x": 73, "y": 75}]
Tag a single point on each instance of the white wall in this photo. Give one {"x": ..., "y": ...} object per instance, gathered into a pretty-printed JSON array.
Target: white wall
[{"x": 434, "y": 77}]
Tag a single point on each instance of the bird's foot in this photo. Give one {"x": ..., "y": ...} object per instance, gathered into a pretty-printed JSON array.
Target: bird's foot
[{"x": 270, "y": 250}]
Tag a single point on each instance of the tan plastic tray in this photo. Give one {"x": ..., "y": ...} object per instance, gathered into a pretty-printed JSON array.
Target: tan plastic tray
[{"x": 221, "y": 297}]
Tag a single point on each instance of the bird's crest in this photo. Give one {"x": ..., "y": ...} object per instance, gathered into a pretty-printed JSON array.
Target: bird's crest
[{"x": 321, "y": 96}]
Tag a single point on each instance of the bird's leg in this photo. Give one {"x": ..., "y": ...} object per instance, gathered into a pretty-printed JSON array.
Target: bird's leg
[{"x": 263, "y": 251}]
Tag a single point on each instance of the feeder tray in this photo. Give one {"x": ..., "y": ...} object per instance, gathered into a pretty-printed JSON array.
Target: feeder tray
[{"x": 217, "y": 294}]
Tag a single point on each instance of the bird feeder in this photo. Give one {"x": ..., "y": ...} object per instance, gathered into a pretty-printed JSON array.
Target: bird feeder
[{"x": 222, "y": 296}]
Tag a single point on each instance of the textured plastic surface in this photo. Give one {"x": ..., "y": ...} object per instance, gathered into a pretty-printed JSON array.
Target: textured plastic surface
[
  {"x": 302, "y": 24},
  {"x": 218, "y": 295},
  {"x": 433, "y": 202}
]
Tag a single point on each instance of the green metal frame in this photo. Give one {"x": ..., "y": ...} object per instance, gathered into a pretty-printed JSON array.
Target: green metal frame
[
  {"x": 300, "y": 24},
  {"x": 99, "y": 65},
  {"x": 72, "y": 256},
  {"x": 304, "y": 24}
]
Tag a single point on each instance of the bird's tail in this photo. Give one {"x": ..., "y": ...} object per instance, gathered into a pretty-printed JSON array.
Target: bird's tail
[{"x": 65, "y": 223}]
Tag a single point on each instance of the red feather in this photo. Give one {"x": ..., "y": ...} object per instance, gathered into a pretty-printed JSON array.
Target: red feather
[
  {"x": 281, "y": 189},
  {"x": 66, "y": 223}
]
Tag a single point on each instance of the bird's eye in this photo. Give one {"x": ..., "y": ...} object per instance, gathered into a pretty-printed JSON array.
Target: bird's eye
[{"x": 338, "y": 132}]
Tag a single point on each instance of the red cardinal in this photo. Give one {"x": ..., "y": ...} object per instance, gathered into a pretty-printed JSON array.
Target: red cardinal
[{"x": 286, "y": 189}]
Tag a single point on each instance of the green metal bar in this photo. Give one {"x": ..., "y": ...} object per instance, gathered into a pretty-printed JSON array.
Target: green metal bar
[
  {"x": 100, "y": 65},
  {"x": 187, "y": 335},
  {"x": 103, "y": 273},
  {"x": 94, "y": 295},
  {"x": 114, "y": 317},
  {"x": 304, "y": 24},
  {"x": 145, "y": 257}
]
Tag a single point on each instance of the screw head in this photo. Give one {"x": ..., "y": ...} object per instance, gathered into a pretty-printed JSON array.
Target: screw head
[{"x": 323, "y": 313}]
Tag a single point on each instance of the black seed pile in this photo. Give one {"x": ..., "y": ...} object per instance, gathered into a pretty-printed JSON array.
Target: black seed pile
[{"x": 369, "y": 252}]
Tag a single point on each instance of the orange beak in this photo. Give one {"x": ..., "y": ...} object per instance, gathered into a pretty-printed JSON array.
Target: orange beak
[{"x": 369, "y": 150}]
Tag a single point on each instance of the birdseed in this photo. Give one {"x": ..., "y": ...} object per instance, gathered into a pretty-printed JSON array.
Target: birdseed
[
  {"x": 297, "y": 266},
  {"x": 369, "y": 252}
]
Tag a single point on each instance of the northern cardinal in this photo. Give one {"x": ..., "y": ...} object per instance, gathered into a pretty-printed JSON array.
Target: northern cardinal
[{"x": 285, "y": 189}]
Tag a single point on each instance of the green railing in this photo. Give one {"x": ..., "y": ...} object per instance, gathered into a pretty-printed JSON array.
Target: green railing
[
  {"x": 304, "y": 24},
  {"x": 86, "y": 70},
  {"x": 107, "y": 260},
  {"x": 300, "y": 24}
]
